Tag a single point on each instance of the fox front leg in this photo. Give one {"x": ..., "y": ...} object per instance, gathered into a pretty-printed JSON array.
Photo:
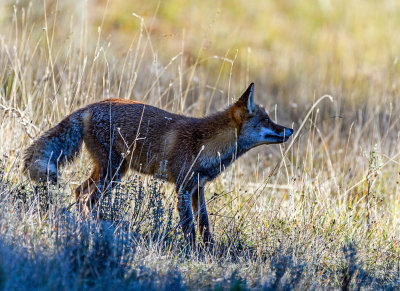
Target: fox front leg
[
  {"x": 186, "y": 215},
  {"x": 200, "y": 213}
]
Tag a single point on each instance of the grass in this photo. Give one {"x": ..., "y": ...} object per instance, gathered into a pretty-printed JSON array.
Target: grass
[{"x": 319, "y": 212}]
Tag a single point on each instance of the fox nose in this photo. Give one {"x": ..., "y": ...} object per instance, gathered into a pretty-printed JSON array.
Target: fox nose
[{"x": 288, "y": 131}]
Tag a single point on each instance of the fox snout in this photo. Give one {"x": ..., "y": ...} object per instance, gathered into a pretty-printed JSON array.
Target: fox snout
[
  {"x": 276, "y": 133},
  {"x": 286, "y": 133}
]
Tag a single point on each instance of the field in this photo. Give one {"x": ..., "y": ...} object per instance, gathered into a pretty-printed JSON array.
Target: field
[{"x": 321, "y": 211}]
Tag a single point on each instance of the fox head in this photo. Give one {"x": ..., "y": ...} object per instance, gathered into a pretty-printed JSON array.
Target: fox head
[{"x": 255, "y": 126}]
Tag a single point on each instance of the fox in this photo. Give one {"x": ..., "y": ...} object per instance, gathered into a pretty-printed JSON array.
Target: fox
[{"x": 124, "y": 134}]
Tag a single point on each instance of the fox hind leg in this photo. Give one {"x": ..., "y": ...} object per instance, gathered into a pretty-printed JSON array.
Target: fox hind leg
[
  {"x": 109, "y": 168},
  {"x": 110, "y": 174},
  {"x": 83, "y": 194}
]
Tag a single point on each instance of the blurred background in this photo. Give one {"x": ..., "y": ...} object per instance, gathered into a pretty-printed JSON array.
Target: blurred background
[{"x": 293, "y": 50}]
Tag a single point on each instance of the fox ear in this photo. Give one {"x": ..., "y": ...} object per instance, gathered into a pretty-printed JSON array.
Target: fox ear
[{"x": 248, "y": 99}]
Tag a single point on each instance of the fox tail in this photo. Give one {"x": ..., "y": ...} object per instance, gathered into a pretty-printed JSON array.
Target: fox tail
[{"x": 54, "y": 148}]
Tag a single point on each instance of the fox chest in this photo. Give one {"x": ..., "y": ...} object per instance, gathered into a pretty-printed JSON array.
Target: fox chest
[{"x": 210, "y": 167}]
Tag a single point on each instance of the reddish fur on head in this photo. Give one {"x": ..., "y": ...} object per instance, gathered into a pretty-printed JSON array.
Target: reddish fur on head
[
  {"x": 238, "y": 113},
  {"x": 244, "y": 106}
]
